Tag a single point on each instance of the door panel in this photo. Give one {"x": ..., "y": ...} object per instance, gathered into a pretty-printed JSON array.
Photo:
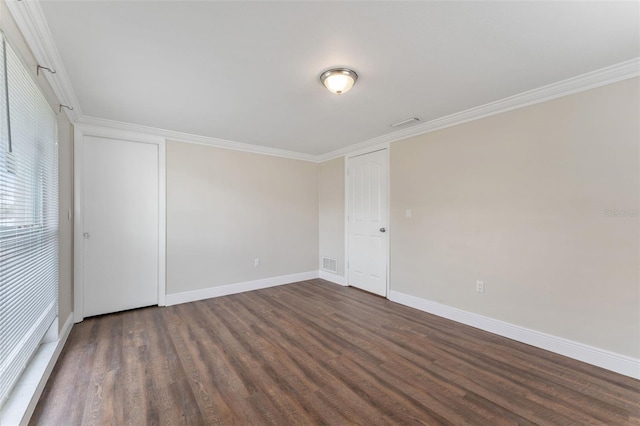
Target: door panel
[
  {"x": 367, "y": 215},
  {"x": 120, "y": 211}
]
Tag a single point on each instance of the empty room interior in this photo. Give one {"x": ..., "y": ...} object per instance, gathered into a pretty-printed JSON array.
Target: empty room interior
[{"x": 319, "y": 212}]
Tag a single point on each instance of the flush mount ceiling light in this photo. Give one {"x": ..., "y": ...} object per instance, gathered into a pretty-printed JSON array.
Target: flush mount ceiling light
[{"x": 339, "y": 80}]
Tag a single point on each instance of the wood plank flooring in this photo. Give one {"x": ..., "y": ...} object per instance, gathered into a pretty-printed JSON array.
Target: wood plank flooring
[{"x": 317, "y": 353}]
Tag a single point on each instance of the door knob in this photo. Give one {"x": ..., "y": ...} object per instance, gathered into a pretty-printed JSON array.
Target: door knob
[
  {"x": 383, "y": 230},
  {"x": 86, "y": 235}
]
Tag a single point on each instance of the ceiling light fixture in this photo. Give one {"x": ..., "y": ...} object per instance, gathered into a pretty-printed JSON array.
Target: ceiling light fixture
[{"x": 339, "y": 80}]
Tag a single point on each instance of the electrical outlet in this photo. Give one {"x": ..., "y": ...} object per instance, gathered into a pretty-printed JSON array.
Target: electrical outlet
[
  {"x": 407, "y": 213},
  {"x": 256, "y": 262},
  {"x": 480, "y": 286}
]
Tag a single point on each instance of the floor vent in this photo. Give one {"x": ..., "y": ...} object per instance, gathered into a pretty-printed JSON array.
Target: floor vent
[{"x": 330, "y": 265}]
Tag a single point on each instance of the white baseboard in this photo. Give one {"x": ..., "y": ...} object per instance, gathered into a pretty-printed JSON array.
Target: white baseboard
[
  {"x": 622, "y": 364},
  {"x": 225, "y": 290},
  {"x": 25, "y": 395},
  {"x": 334, "y": 278}
]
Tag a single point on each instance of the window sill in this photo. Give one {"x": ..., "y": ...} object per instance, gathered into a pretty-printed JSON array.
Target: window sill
[{"x": 18, "y": 409}]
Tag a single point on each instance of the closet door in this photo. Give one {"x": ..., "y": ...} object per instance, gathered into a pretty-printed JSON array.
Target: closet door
[{"x": 120, "y": 218}]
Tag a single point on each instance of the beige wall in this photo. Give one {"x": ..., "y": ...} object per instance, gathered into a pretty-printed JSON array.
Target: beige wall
[
  {"x": 520, "y": 200},
  {"x": 65, "y": 169},
  {"x": 331, "y": 204},
  {"x": 225, "y": 208},
  {"x": 65, "y": 233}
]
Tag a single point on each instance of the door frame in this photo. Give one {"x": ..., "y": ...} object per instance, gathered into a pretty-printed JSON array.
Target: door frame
[
  {"x": 81, "y": 131},
  {"x": 357, "y": 153}
]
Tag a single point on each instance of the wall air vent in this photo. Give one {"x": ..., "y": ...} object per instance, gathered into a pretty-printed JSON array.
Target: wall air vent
[{"x": 330, "y": 265}]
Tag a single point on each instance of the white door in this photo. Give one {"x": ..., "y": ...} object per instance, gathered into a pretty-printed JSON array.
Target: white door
[
  {"x": 367, "y": 217},
  {"x": 120, "y": 224}
]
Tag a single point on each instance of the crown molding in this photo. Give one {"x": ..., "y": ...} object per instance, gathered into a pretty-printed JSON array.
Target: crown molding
[
  {"x": 197, "y": 139},
  {"x": 33, "y": 25},
  {"x": 580, "y": 83},
  {"x": 30, "y": 20}
]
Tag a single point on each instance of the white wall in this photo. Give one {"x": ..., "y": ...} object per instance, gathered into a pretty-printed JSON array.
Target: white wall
[
  {"x": 520, "y": 200},
  {"x": 225, "y": 208}
]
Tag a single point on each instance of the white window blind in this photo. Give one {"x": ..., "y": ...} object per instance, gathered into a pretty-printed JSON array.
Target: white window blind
[{"x": 28, "y": 217}]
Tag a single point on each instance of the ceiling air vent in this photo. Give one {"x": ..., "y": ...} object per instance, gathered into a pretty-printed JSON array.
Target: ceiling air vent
[
  {"x": 330, "y": 265},
  {"x": 411, "y": 120}
]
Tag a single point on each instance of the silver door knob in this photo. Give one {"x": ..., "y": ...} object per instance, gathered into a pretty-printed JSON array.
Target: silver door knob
[
  {"x": 86, "y": 235},
  {"x": 383, "y": 230}
]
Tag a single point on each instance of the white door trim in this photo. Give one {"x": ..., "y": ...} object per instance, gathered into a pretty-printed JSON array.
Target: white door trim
[
  {"x": 80, "y": 132},
  {"x": 381, "y": 147}
]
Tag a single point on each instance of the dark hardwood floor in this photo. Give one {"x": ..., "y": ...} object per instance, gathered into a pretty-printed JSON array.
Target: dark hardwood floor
[{"x": 317, "y": 353}]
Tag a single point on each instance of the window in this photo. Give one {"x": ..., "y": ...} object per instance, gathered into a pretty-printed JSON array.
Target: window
[{"x": 28, "y": 217}]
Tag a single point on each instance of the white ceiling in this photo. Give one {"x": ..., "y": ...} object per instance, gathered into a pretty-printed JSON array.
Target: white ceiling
[{"x": 249, "y": 71}]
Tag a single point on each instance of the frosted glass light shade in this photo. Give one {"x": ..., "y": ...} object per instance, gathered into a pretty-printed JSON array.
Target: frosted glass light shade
[{"x": 339, "y": 80}]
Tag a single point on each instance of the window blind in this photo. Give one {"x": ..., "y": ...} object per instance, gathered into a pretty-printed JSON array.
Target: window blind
[{"x": 28, "y": 217}]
